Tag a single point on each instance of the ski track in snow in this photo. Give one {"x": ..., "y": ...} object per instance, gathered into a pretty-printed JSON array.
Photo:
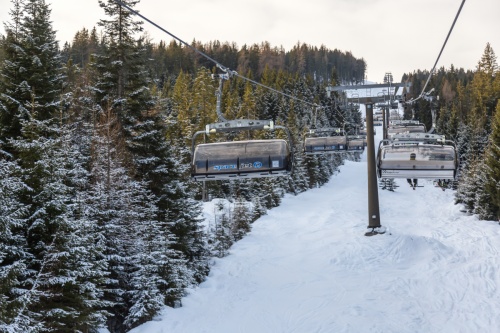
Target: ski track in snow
[{"x": 307, "y": 267}]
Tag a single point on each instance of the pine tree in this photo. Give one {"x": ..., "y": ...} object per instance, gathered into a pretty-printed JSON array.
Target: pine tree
[
  {"x": 136, "y": 245},
  {"x": 492, "y": 161},
  {"x": 67, "y": 266},
  {"x": 483, "y": 205},
  {"x": 241, "y": 219},
  {"x": 124, "y": 87},
  {"x": 14, "y": 254},
  {"x": 466, "y": 190},
  {"x": 183, "y": 211},
  {"x": 31, "y": 71},
  {"x": 483, "y": 95},
  {"x": 222, "y": 235},
  {"x": 299, "y": 179},
  {"x": 203, "y": 100},
  {"x": 463, "y": 142},
  {"x": 10, "y": 76},
  {"x": 84, "y": 44},
  {"x": 55, "y": 291}
]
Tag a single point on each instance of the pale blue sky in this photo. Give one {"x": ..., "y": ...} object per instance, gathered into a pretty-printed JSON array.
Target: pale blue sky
[{"x": 395, "y": 36}]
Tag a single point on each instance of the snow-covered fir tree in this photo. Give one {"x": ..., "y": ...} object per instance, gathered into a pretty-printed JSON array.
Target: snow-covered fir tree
[
  {"x": 491, "y": 206},
  {"x": 14, "y": 252},
  {"x": 242, "y": 219}
]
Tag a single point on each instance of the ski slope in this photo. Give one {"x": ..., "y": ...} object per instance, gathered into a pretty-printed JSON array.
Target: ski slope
[{"x": 307, "y": 267}]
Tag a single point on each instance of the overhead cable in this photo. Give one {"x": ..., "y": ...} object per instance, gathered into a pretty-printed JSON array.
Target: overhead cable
[
  {"x": 442, "y": 48},
  {"x": 219, "y": 65}
]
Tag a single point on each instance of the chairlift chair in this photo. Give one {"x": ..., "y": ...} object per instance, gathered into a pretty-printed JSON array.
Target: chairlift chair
[
  {"x": 241, "y": 159},
  {"x": 356, "y": 143},
  {"x": 416, "y": 156},
  {"x": 364, "y": 134},
  {"x": 404, "y": 126},
  {"x": 378, "y": 118},
  {"x": 394, "y": 116},
  {"x": 325, "y": 140}
]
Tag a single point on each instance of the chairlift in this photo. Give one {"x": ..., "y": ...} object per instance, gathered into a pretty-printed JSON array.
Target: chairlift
[
  {"x": 241, "y": 159},
  {"x": 363, "y": 132},
  {"x": 356, "y": 143},
  {"x": 378, "y": 117},
  {"x": 416, "y": 156},
  {"x": 325, "y": 140},
  {"x": 394, "y": 116},
  {"x": 404, "y": 126}
]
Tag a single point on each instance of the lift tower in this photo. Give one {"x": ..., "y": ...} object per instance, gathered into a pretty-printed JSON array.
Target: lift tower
[{"x": 373, "y": 202}]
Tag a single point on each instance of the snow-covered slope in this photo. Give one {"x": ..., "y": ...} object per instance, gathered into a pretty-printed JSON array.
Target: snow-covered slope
[{"x": 307, "y": 267}]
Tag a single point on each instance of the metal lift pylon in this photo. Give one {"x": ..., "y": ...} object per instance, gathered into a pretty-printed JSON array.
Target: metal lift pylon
[
  {"x": 373, "y": 203},
  {"x": 374, "y": 224}
]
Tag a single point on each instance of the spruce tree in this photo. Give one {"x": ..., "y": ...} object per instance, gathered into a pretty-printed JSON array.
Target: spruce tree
[
  {"x": 242, "y": 219},
  {"x": 66, "y": 261},
  {"x": 300, "y": 176},
  {"x": 483, "y": 205},
  {"x": 124, "y": 86},
  {"x": 55, "y": 292},
  {"x": 31, "y": 74},
  {"x": 222, "y": 235},
  {"x": 492, "y": 161},
  {"x": 126, "y": 213},
  {"x": 10, "y": 77},
  {"x": 467, "y": 187},
  {"x": 14, "y": 253}
]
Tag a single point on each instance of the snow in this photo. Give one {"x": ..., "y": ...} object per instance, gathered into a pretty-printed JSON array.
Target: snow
[{"x": 307, "y": 267}]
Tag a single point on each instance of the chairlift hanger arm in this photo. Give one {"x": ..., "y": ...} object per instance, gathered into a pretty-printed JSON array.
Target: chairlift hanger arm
[
  {"x": 218, "y": 107},
  {"x": 194, "y": 139}
]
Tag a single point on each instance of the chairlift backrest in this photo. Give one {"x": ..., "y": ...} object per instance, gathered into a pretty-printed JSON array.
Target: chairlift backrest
[
  {"x": 356, "y": 143},
  {"x": 241, "y": 159},
  {"x": 398, "y": 127},
  {"x": 325, "y": 140},
  {"x": 431, "y": 158},
  {"x": 237, "y": 159},
  {"x": 420, "y": 137}
]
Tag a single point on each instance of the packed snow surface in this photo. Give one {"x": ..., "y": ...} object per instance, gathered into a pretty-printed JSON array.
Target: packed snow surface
[{"x": 307, "y": 267}]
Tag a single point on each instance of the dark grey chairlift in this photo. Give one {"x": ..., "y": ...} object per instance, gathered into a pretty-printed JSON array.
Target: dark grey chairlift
[
  {"x": 325, "y": 140},
  {"x": 416, "y": 156},
  {"x": 356, "y": 143},
  {"x": 241, "y": 159},
  {"x": 404, "y": 126}
]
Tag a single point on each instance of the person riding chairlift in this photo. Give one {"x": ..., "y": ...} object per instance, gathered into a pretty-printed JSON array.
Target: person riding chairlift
[
  {"x": 413, "y": 182},
  {"x": 443, "y": 183}
]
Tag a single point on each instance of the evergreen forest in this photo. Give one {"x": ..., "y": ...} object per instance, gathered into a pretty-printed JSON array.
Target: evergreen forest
[{"x": 100, "y": 222}]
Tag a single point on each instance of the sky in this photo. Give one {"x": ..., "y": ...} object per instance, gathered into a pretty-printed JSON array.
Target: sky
[
  {"x": 306, "y": 267},
  {"x": 396, "y": 36}
]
